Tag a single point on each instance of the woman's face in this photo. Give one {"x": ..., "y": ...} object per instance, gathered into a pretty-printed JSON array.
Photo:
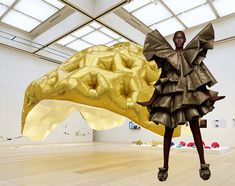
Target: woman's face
[{"x": 179, "y": 40}]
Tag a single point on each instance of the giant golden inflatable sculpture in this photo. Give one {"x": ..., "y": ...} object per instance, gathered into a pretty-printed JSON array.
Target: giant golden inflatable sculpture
[{"x": 102, "y": 83}]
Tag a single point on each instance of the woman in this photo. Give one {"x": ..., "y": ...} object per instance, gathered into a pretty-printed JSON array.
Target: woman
[{"x": 181, "y": 94}]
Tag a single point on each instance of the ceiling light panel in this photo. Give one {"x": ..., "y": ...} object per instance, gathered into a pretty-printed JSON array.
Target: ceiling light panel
[
  {"x": 152, "y": 13},
  {"x": 111, "y": 43},
  {"x": 55, "y": 3},
  {"x": 97, "y": 38},
  {"x": 66, "y": 40},
  {"x": 110, "y": 33},
  {"x": 122, "y": 40},
  {"x": 93, "y": 34},
  {"x": 7, "y": 2},
  {"x": 37, "y": 9},
  {"x": 20, "y": 20},
  {"x": 224, "y": 7},
  {"x": 83, "y": 31},
  {"x": 197, "y": 16},
  {"x": 95, "y": 25},
  {"x": 3, "y": 9},
  {"x": 168, "y": 26},
  {"x": 133, "y": 5},
  {"x": 183, "y": 5},
  {"x": 78, "y": 45}
]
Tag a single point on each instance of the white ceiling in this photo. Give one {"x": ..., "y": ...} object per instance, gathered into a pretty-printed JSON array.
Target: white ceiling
[
  {"x": 28, "y": 14},
  {"x": 56, "y": 29}
]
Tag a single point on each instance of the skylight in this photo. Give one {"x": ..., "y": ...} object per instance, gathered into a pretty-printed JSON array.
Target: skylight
[
  {"x": 122, "y": 40},
  {"x": 180, "y": 6},
  {"x": 7, "y": 2},
  {"x": 201, "y": 15},
  {"x": 112, "y": 43},
  {"x": 3, "y": 9},
  {"x": 83, "y": 31},
  {"x": 152, "y": 13},
  {"x": 168, "y": 26},
  {"x": 20, "y": 20},
  {"x": 66, "y": 40},
  {"x": 133, "y": 5},
  {"x": 92, "y": 34},
  {"x": 55, "y": 3},
  {"x": 78, "y": 45},
  {"x": 224, "y": 7},
  {"x": 28, "y": 14},
  {"x": 110, "y": 33},
  {"x": 96, "y": 38},
  {"x": 95, "y": 25},
  {"x": 170, "y": 15},
  {"x": 37, "y": 9}
]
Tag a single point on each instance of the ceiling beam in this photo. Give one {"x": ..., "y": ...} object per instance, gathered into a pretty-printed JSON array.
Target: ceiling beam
[
  {"x": 213, "y": 8},
  {"x": 88, "y": 20},
  {"x": 9, "y": 8}
]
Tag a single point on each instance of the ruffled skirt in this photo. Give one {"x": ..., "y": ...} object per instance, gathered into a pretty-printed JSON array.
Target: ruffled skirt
[{"x": 181, "y": 99}]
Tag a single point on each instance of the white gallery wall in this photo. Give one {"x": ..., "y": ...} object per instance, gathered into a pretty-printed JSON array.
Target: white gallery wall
[
  {"x": 17, "y": 71},
  {"x": 221, "y": 62}
]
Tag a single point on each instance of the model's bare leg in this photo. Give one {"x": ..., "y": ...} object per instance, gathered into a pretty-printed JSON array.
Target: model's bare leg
[
  {"x": 194, "y": 125},
  {"x": 162, "y": 174},
  {"x": 167, "y": 145},
  {"x": 204, "y": 171}
]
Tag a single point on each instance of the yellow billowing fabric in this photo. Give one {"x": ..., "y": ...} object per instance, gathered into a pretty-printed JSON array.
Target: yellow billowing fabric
[{"x": 102, "y": 83}]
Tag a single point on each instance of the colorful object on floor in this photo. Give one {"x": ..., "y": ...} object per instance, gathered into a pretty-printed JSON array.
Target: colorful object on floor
[
  {"x": 215, "y": 145},
  {"x": 172, "y": 143},
  {"x": 205, "y": 146},
  {"x": 182, "y": 143},
  {"x": 178, "y": 146},
  {"x": 102, "y": 83},
  {"x": 155, "y": 142},
  {"x": 149, "y": 143},
  {"x": 139, "y": 142},
  {"x": 191, "y": 144}
]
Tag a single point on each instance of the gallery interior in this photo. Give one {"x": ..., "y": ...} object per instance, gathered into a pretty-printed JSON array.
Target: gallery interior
[{"x": 71, "y": 74}]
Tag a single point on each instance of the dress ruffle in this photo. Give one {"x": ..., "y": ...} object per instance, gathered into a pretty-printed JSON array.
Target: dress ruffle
[
  {"x": 181, "y": 89},
  {"x": 198, "y": 46}
]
